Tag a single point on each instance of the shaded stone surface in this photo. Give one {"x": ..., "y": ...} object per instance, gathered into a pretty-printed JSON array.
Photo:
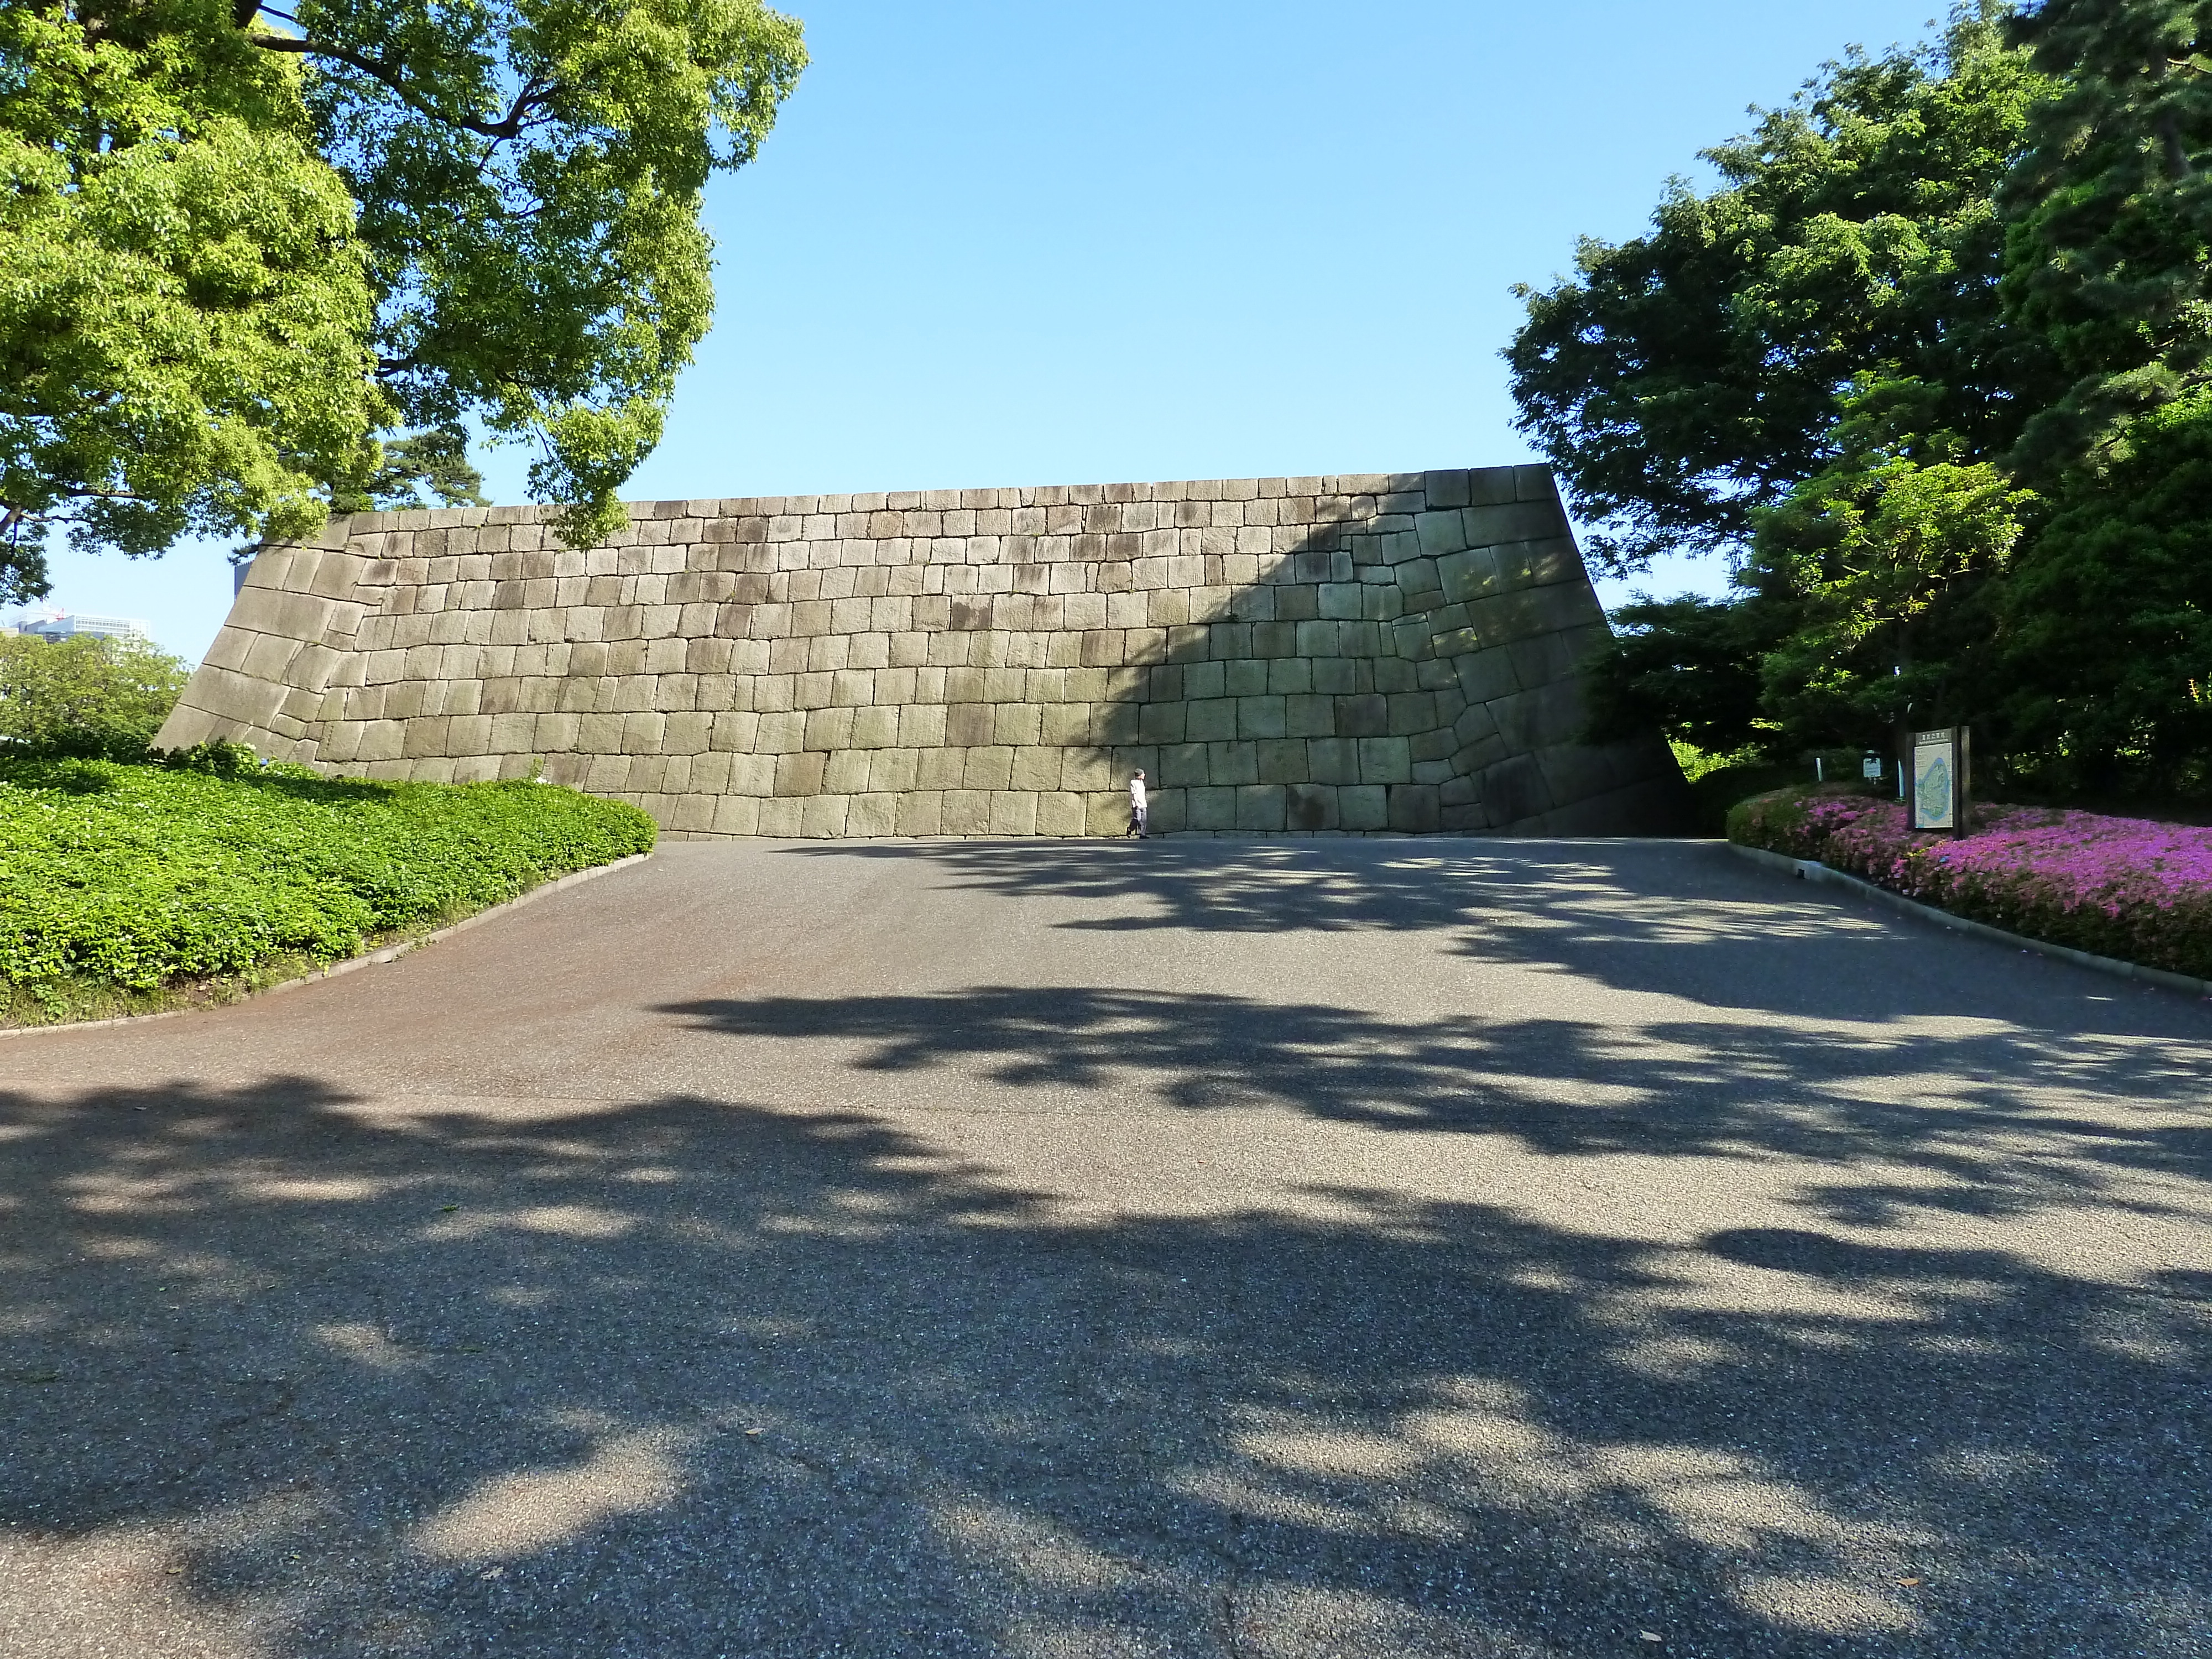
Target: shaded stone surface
[{"x": 1338, "y": 655}]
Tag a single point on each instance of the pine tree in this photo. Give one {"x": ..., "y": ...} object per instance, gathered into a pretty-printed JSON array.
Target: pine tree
[{"x": 2110, "y": 218}]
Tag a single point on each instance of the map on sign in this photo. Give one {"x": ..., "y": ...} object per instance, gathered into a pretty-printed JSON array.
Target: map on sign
[
  {"x": 1934, "y": 789},
  {"x": 1935, "y": 781}
]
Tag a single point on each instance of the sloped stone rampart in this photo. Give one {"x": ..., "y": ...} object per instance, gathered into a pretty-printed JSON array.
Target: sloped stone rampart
[{"x": 1339, "y": 655}]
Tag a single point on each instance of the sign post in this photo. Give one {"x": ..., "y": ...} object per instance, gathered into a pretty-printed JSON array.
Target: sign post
[{"x": 1940, "y": 770}]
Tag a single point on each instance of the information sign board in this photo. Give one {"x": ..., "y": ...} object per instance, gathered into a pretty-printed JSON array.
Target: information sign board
[{"x": 1938, "y": 771}]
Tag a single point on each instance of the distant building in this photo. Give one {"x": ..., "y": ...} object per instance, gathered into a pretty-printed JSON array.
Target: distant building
[{"x": 70, "y": 625}]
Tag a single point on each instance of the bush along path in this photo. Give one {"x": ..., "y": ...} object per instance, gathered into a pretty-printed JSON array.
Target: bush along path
[
  {"x": 2129, "y": 889},
  {"x": 134, "y": 888}
]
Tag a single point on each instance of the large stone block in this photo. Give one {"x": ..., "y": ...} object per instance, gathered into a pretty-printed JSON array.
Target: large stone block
[
  {"x": 1087, "y": 770},
  {"x": 1333, "y": 760},
  {"x": 1059, "y": 813},
  {"x": 1281, "y": 761},
  {"x": 1410, "y": 712},
  {"x": 1013, "y": 813},
  {"x": 872, "y": 815},
  {"x": 845, "y": 772},
  {"x": 1514, "y": 790},
  {"x": 1366, "y": 716},
  {"x": 1210, "y": 808},
  {"x": 967, "y": 724},
  {"x": 874, "y": 728},
  {"x": 829, "y": 728},
  {"x": 1385, "y": 760},
  {"x": 1260, "y": 717},
  {"x": 1309, "y": 807},
  {"x": 1106, "y": 812},
  {"x": 823, "y": 816},
  {"x": 1486, "y": 676},
  {"x": 1232, "y": 762},
  {"x": 989, "y": 769},
  {"x": 1260, "y": 808},
  {"x": 1363, "y": 807},
  {"x": 781, "y": 818},
  {"x": 1036, "y": 770},
  {"x": 923, "y": 725},
  {"x": 736, "y": 815},
  {"x": 800, "y": 773},
  {"x": 1414, "y": 808},
  {"x": 967, "y": 812},
  {"x": 941, "y": 770},
  {"x": 894, "y": 771}
]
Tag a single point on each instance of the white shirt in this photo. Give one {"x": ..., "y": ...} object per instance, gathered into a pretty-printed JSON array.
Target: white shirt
[{"x": 1137, "y": 792}]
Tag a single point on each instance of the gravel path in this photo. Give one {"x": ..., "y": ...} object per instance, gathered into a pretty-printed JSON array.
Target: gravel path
[{"x": 1330, "y": 1248}]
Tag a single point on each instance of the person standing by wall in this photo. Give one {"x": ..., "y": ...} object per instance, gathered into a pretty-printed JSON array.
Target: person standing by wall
[{"x": 1140, "y": 806}]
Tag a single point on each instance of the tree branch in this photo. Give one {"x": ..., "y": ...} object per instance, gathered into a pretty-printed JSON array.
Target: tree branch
[{"x": 394, "y": 75}]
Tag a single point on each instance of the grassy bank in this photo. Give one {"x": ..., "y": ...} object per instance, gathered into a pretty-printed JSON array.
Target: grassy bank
[
  {"x": 128, "y": 888},
  {"x": 2133, "y": 888}
]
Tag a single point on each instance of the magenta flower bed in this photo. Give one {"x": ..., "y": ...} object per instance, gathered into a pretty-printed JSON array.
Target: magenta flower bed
[{"x": 2120, "y": 887}]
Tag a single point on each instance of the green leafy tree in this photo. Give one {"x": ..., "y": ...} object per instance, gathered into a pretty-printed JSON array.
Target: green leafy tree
[
  {"x": 430, "y": 214},
  {"x": 2107, "y": 619},
  {"x": 529, "y": 173},
  {"x": 1689, "y": 668},
  {"x": 85, "y": 695},
  {"x": 1936, "y": 362},
  {"x": 1884, "y": 554},
  {"x": 1865, "y": 600},
  {"x": 185, "y": 313},
  {"x": 2110, "y": 246},
  {"x": 1682, "y": 380}
]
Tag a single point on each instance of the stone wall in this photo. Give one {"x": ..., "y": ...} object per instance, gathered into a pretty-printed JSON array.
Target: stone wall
[{"x": 1357, "y": 654}]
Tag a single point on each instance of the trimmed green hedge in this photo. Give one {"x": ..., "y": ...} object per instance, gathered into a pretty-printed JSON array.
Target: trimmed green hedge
[{"x": 139, "y": 877}]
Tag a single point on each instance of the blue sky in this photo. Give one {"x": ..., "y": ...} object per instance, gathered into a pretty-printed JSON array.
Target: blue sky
[{"x": 1066, "y": 240}]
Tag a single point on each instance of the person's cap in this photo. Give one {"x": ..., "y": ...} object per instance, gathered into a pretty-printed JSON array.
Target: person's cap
[{"x": 1139, "y": 773}]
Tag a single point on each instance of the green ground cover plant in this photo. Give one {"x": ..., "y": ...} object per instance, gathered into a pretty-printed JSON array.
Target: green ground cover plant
[
  {"x": 2133, "y": 888},
  {"x": 128, "y": 887}
]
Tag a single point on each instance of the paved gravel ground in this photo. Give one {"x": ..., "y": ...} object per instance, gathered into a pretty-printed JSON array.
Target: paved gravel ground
[{"x": 1246, "y": 1249}]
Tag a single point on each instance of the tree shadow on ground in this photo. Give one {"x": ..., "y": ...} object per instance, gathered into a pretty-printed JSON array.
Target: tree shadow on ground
[
  {"x": 1685, "y": 919},
  {"x": 685, "y": 1376},
  {"x": 1943, "y": 1104}
]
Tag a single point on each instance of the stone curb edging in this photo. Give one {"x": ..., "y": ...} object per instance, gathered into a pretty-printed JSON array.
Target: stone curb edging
[
  {"x": 1813, "y": 870},
  {"x": 371, "y": 960}
]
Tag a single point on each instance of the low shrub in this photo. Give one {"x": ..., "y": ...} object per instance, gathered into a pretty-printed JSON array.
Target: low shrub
[
  {"x": 2129, "y": 888},
  {"x": 135, "y": 878}
]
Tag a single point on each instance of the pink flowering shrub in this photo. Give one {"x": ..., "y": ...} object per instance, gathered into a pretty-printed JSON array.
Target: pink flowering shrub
[{"x": 2120, "y": 887}]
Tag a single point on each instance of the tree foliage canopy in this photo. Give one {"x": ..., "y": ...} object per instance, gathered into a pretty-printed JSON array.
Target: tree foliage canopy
[
  {"x": 243, "y": 242},
  {"x": 1683, "y": 379},
  {"x": 1930, "y": 367},
  {"x": 85, "y": 695},
  {"x": 2106, "y": 620},
  {"x": 184, "y": 312},
  {"x": 2112, "y": 216}
]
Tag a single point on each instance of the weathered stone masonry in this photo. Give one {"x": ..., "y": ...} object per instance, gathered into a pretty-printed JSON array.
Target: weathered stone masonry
[{"x": 1364, "y": 653}]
